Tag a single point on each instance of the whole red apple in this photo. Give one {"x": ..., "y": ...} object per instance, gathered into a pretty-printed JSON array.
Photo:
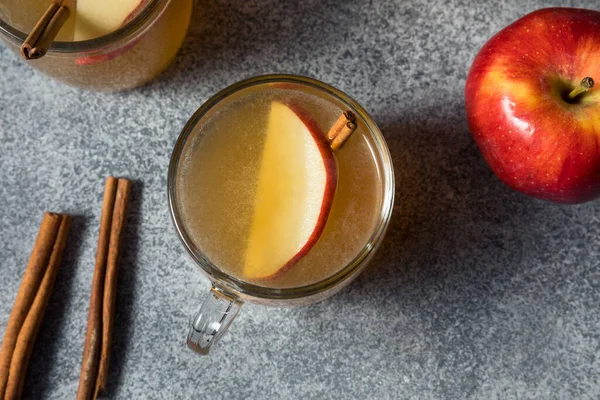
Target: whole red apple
[{"x": 538, "y": 131}]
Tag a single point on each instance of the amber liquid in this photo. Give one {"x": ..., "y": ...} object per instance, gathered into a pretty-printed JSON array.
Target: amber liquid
[
  {"x": 136, "y": 62},
  {"x": 218, "y": 173}
]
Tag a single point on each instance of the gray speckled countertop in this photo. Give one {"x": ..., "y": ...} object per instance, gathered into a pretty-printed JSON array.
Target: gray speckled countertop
[{"x": 477, "y": 292}]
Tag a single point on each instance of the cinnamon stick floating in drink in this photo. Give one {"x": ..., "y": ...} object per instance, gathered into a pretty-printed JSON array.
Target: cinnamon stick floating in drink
[
  {"x": 31, "y": 302},
  {"x": 43, "y": 34},
  {"x": 342, "y": 129},
  {"x": 94, "y": 367}
]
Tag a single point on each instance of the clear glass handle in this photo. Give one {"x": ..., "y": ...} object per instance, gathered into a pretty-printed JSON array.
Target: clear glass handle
[{"x": 212, "y": 319}]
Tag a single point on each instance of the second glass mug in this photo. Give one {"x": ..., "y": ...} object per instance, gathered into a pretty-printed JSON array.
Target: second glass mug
[
  {"x": 228, "y": 293},
  {"x": 126, "y": 58}
]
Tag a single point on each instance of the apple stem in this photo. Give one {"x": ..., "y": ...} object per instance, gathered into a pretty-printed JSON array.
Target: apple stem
[{"x": 586, "y": 84}]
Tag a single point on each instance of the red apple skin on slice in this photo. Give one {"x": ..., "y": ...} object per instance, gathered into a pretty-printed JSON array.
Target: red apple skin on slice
[
  {"x": 108, "y": 56},
  {"x": 330, "y": 186},
  {"x": 330, "y": 167},
  {"x": 534, "y": 140}
]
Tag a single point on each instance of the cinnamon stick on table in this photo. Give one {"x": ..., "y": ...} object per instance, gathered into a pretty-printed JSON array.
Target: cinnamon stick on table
[
  {"x": 110, "y": 282},
  {"x": 94, "y": 367},
  {"x": 31, "y": 302}
]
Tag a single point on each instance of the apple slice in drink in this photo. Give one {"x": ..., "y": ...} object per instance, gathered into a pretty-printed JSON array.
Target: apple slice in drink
[
  {"x": 296, "y": 185},
  {"x": 95, "y": 18}
]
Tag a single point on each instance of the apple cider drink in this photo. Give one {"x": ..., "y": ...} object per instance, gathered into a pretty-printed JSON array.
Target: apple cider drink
[
  {"x": 265, "y": 197},
  {"x": 104, "y": 44}
]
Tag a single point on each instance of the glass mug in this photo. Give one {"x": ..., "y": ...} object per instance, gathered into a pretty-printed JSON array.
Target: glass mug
[
  {"x": 126, "y": 58},
  {"x": 228, "y": 292}
]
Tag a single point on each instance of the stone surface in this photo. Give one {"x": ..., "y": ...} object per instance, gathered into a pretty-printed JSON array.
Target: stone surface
[{"x": 477, "y": 292}]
